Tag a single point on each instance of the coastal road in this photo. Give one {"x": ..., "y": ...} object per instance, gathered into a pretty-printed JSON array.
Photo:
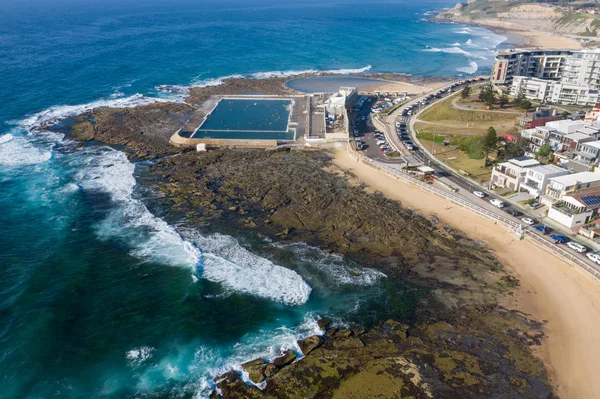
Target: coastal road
[{"x": 464, "y": 186}]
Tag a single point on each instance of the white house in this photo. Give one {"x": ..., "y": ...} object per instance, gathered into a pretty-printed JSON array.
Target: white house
[
  {"x": 577, "y": 209},
  {"x": 511, "y": 173},
  {"x": 537, "y": 178}
]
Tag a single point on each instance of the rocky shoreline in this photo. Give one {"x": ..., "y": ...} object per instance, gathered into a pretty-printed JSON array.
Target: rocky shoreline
[{"x": 456, "y": 342}]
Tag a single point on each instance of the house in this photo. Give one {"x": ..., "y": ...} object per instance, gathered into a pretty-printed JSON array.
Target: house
[
  {"x": 511, "y": 138},
  {"x": 575, "y": 210},
  {"x": 588, "y": 153},
  {"x": 561, "y": 186},
  {"x": 511, "y": 173},
  {"x": 537, "y": 118},
  {"x": 592, "y": 115},
  {"x": 537, "y": 178}
]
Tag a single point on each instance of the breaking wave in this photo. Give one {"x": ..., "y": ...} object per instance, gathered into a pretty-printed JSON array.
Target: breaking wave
[
  {"x": 335, "y": 266},
  {"x": 197, "y": 366},
  {"x": 238, "y": 269},
  {"x": 55, "y": 114},
  {"x": 471, "y": 69},
  {"x": 19, "y": 151},
  {"x": 215, "y": 258}
]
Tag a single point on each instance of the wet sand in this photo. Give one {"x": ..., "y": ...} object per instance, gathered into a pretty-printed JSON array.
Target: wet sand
[{"x": 551, "y": 289}]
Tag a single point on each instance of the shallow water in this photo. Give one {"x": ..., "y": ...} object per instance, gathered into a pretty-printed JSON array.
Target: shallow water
[{"x": 102, "y": 294}]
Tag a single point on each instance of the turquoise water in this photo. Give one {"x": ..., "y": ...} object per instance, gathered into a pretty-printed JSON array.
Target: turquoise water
[{"x": 102, "y": 294}]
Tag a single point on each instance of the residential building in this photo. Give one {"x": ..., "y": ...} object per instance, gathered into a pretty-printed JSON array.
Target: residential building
[
  {"x": 543, "y": 64},
  {"x": 592, "y": 115},
  {"x": 588, "y": 153},
  {"x": 576, "y": 210},
  {"x": 539, "y": 117},
  {"x": 561, "y": 186},
  {"x": 510, "y": 174},
  {"x": 579, "y": 67},
  {"x": 558, "y": 76},
  {"x": 537, "y": 178}
]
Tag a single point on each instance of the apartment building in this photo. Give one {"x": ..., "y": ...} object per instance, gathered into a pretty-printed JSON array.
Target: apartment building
[{"x": 557, "y": 76}]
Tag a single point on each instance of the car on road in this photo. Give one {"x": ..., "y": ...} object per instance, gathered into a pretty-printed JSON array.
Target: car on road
[
  {"x": 528, "y": 221},
  {"x": 478, "y": 194},
  {"x": 513, "y": 212},
  {"x": 363, "y": 118},
  {"x": 558, "y": 239},
  {"x": 576, "y": 247},
  {"x": 544, "y": 229},
  {"x": 497, "y": 202},
  {"x": 409, "y": 147},
  {"x": 594, "y": 257}
]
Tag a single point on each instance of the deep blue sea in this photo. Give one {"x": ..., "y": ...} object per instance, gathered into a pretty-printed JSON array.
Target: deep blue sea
[{"x": 101, "y": 293}]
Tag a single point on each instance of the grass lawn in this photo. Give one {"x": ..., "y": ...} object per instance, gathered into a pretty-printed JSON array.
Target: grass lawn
[
  {"x": 473, "y": 102},
  {"x": 450, "y": 121},
  {"x": 458, "y": 160}
]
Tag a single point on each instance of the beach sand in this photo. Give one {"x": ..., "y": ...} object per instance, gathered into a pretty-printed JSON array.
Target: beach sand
[
  {"x": 410, "y": 88},
  {"x": 525, "y": 36},
  {"x": 551, "y": 289}
]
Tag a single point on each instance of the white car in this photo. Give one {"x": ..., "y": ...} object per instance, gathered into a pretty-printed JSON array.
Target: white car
[
  {"x": 576, "y": 246},
  {"x": 529, "y": 221},
  {"x": 380, "y": 142},
  {"x": 497, "y": 202},
  {"x": 478, "y": 194},
  {"x": 409, "y": 147},
  {"x": 594, "y": 257}
]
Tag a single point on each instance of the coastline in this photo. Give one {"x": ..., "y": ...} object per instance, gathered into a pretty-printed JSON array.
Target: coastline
[
  {"x": 519, "y": 35},
  {"x": 551, "y": 290}
]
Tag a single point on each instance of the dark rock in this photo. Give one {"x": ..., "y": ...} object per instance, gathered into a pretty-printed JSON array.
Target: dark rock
[
  {"x": 324, "y": 323},
  {"x": 271, "y": 370},
  {"x": 287, "y": 358},
  {"x": 255, "y": 369},
  {"x": 331, "y": 332},
  {"x": 309, "y": 344},
  {"x": 343, "y": 334},
  {"x": 348, "y": 343}
]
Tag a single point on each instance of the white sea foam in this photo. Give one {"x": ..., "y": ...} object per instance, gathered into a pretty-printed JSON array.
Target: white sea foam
[
  {"x": 209, "y": 362},
  {"x": 19, "y": 151},
  {"x": 471, "y": 69},
  {"x": 337, "y": 268},
  {"x": 60, "y": 112},
  {"x": 225, "y": 261},
  {"x": 220, "y": 257},
  {"x": 455, "y": 44},
  {"x": 138, "y": 356}
]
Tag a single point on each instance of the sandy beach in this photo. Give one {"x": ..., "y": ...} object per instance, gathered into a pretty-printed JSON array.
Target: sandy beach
[
  {"x": 525, "y": 36},
  {"x": 409, "y": 88},
  {"x": 551, "y": 290}
]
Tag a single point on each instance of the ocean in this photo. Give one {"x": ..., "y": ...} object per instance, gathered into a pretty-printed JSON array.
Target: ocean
[{"x": 101, "y": 293}]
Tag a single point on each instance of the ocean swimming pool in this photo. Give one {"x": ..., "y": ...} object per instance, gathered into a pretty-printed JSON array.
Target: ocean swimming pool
[{"x": 248, "y": 119}]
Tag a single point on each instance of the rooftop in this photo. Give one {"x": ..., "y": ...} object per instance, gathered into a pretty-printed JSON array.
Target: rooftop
[
  {"x": 548, "y": 169},
  {"x": 582, "y": 177},
  {"x": 593, "y": 144},
  {"x": 523, "y": 162},
  {"x": 577, "y": 136}
]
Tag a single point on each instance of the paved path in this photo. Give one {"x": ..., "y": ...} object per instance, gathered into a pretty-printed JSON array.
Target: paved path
[{"x": 466, "y": 108}]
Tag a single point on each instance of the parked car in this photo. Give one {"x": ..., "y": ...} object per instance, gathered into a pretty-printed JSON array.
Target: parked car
[
  {"x": 513, "y": 212},
  {"x": 576, "y": 247},
  {"x": 542, "y": 228},
  {"x": 478, "y": 194},
  {"x": 559, "y": 239},
  {"x": 497, "y": 202},
  {"x": 594, "y": 257},
  {"x": 409, "y": 147},
  {"x": 528, "y": 221}
]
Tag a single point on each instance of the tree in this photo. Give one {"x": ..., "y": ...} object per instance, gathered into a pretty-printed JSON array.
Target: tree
[
  {"x": 466, "y": 92},
  {"x": 525, "y": 105},
  {"x": 503, "y": 100},
  {"x": 490, "y": 98},
  {"x": 489, "y": 141},
  {"x": 544, "y": 150},
  {"x": 565, "y": 114}
]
